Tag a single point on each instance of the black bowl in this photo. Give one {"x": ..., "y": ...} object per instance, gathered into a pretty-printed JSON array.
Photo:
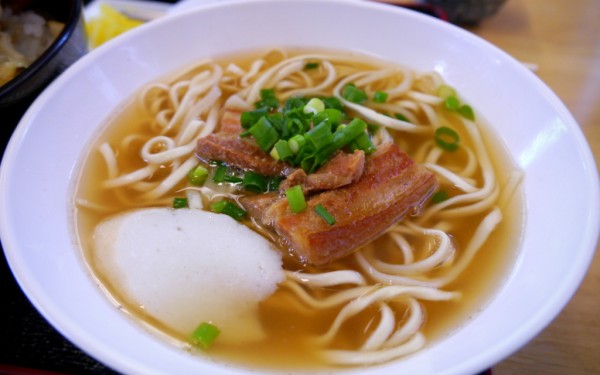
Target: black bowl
[{"x": 70, "y": 45}]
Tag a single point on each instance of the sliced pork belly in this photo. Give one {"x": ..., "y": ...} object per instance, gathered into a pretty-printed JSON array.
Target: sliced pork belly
[
  {"x": 343, "y": 169},
  {"x": 391, "y": 186},
  {"x": 241, "y": 153}
]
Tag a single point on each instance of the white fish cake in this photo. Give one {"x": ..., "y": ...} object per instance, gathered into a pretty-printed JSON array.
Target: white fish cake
[{"x": 188, "y": 266}]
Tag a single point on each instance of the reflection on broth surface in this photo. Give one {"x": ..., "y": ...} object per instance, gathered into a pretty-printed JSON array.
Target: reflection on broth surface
[{"x": 430, "y": 265}]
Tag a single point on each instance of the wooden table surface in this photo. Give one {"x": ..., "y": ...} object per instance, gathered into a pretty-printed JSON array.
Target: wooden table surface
[{"x": 562, "y": 38}]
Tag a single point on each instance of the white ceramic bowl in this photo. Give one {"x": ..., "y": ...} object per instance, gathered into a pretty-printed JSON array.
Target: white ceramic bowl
[{"x": 39, "y": 168}]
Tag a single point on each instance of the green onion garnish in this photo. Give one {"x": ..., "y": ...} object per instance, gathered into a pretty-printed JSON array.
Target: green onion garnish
[
  {"x": 319, "y": 136},
  {"x": 232, "y": 179},
  {"x": 439, "y": 196},
  {"x": 452, "y": 103},
  {"x": 249, "y": 118},
  {"x": 204, "y": 335},
  {"x": 264, "y": 134},
  {"x": 447, "y": 138},
  {"x": 445, "y": 91},
  {"x": 362, "y": 142},
  {"x": 283, "y": 150},
  {"x": 401, "y": 117},
  {"x": 296, "y": 143},
  {"x": 380, "y": 97},
  {"x": 295, "y": 198},
  {"x": 197, "y": 176},
  {"x": 180, "y": 202},
  {"x": 273, "y": 183},
  {"x": 354, "y": 94},
  {"x": 254, "y": 182},
  {"x": 314, "y": 106},
  {"x": 268, "y": 100},
  {"x": 467, "y": 112},
  {"x": 322, "y": 211},
  {"x": 220, "y": 173},
  {"x": 229, "y": 209},
  {"x": 311, "y": 65}
]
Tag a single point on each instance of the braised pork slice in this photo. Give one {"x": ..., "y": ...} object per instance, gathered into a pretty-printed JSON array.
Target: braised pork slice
[
  {"x": 341, "y": 170},
  {"x": 391, "y": 186},
  {"x": 227, "y": 146}
]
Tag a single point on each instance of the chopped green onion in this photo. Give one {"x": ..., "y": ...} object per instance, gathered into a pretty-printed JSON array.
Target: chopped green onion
[
  {"x": 439, "y": 196},
  {"x": 319, "y": 136},
  {"x": 197, "y": 176},
  {"x": 254, "y": 182},
  {"x": 467, "y": 112},
  {"x": 401, "y": 117},
  {"x": 229, "y": 209},
  {"x": 296, "y": 143},
  {"x": 204, "y": 335},
  {"x": 295, "y": 198},
  {"x": 354, "y": 94},
  {"x": 334, "y": 103},
  {"x": 268, "y": 100},
  {"x": 447, "y": 138},
  {"x": 273, "y": 183},
  {"x": 445, "y": 91},
  {"x": 249, "y": 118},
  {"x": 372, "y": 128},
  {"x": 293, "y": 103},
  {"x": 343, "y": 135},
  {"x": 232, "y": 179},
  {"x": 380, "y": 97},
  {"x": 180, "y": 202},
  {"x": 283, "y": 150},
  {"x": 330, "y": 115},
  {"x": 314, "y": 106},
  {"x": 220, "y": 173},
  {"x": 452, "y": 103},
  {"x": 311, "y": 65},
  {"x": 264, "y": 134},
  {"x": 362, "y": 142},
  {"x": 322, "y": 211}
]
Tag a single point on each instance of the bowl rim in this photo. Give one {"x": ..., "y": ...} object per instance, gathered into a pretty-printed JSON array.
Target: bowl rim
[
  {"x": 543, "y": 318},
  {"x": 71, "y": 24}
]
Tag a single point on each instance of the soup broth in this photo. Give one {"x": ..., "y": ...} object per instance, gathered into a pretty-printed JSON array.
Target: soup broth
[{"x": 290, "y": 324}]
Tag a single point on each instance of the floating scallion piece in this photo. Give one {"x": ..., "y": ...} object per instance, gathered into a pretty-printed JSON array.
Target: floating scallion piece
[
  {"x": 354, "y": 94},
  {"x": 445, "y": 91},
  {"x": 322, "y": 211},
  {"x": 197, "y": 176},
  {"x": 204, "y": 335},
  {"x": 311, "y": 65},
  {"x": 467, "y": 112},
  {"x": 180, "y": 202},
  {"x": 295, "y": 198},
  {"x": 254, "y": 182},
  {"x": 380, "y": 97},
  {"x": 401, "y": 117},
  {"x": 220, "y": 173},
  {"x": 439, "y": 196},
  {"x": 229, "y": 209},
  {"x": 447, "y": 138},
  {"x": 452, "y": 103}
]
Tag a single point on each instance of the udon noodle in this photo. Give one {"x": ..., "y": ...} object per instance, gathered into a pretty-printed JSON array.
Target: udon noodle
[{"x": 373, "y": 304}]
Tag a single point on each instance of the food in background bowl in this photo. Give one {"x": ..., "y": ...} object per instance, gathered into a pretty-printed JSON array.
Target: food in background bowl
[
  {"x": 376, "y": 184},
  {"x": 24, "y": 37}
]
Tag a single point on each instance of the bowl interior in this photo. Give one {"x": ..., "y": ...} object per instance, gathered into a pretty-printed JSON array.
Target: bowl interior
[{"x": 533, "y": 124}]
